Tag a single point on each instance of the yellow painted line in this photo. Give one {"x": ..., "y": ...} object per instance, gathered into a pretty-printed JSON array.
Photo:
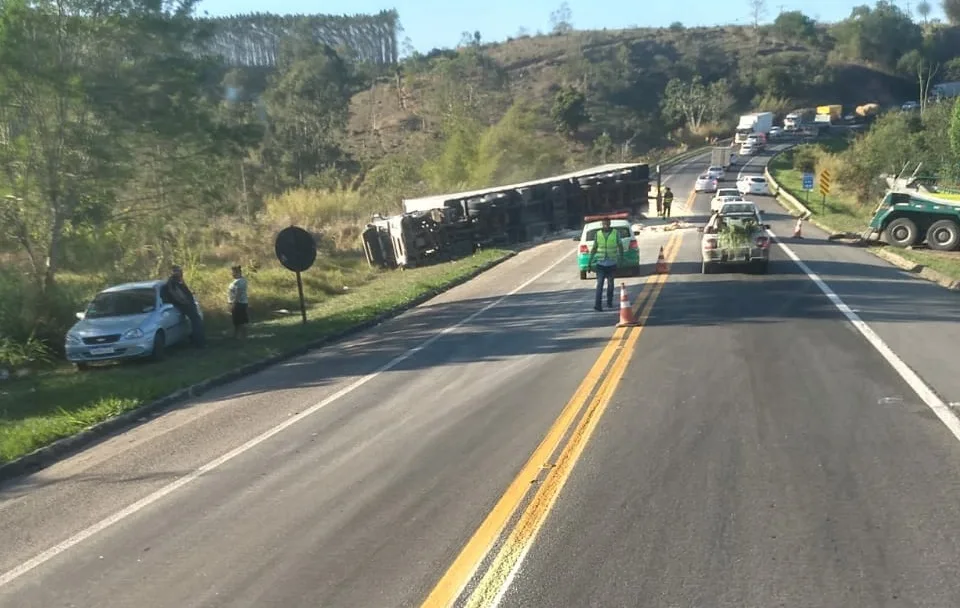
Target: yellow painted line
[
  {"x": 464, "y": 567},
  {"x": 451, "y": 585},
  {"x": 690, "y": 199},
  {"x": 504, "y": 566},
  {"x": 670, "y": 252}
]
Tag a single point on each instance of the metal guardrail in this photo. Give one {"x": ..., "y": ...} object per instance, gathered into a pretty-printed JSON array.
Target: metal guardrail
[{"x": 780, "y": 192}]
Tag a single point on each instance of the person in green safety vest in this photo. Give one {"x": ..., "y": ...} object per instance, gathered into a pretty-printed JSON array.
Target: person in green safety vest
[{"x": 609, "y": 249}]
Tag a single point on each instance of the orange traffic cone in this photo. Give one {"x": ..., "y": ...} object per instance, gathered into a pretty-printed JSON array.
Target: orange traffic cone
[
  {"x": 661, "y": 263},
  {"x": 798, "y": 229},
  {"x": 626, "y": 310}
]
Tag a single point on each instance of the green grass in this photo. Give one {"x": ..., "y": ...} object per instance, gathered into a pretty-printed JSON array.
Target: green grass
[
  {"x": 841, "y": 213},
  {"x": 50, "y": 405}
]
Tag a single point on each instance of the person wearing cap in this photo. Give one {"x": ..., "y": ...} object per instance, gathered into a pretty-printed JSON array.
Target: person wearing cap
[
  {"x": 238, "y": 301},
  {"x": 176, "y": 292}
]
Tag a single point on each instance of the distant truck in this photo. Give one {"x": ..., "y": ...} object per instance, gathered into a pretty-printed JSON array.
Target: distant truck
[
  {"x": 798, "y": 118},
  {"x": 722, "y": 156},
  {"x": 828, "y": 114},
  {"x": 758, "y": 123},
  {"x": 910, "y": 213},
  {"x": 945, "y": 90}
]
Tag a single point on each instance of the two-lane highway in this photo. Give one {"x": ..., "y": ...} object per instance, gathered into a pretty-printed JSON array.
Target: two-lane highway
[
  {"x": 744, "y": 446},
  {"x": 349, "y": 477}
]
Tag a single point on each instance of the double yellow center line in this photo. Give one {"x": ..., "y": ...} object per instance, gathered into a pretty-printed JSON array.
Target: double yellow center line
[{"x": 557, "y": 454}]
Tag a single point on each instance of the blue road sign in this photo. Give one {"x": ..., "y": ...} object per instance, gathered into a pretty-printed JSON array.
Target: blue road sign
[{"x": 808, "y": 181}]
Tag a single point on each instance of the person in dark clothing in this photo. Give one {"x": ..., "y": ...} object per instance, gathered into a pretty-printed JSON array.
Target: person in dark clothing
[
  {"x": 667, "y": 201},
  {"x": 177, "y": 293}
]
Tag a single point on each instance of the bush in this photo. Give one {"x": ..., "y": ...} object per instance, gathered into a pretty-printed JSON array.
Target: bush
[{"x": 805, "y": 157}]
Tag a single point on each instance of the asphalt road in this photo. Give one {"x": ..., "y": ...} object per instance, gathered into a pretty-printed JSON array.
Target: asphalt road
[{"x": 744, "y": 447}]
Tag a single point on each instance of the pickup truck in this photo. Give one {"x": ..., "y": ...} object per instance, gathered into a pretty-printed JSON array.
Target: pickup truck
[{"x": 735, "y": 234}]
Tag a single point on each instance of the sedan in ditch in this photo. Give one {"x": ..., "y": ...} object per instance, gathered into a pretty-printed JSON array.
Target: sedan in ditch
[{"x": 128, "y": 321}]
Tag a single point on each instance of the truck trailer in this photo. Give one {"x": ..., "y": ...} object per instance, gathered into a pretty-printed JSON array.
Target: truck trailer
[{"x": 758, "y": 123}]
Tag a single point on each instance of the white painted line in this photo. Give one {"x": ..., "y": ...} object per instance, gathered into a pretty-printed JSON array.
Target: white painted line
[
  {"x": 926, "y": 394},
  {"x": 168, "y": 489}
]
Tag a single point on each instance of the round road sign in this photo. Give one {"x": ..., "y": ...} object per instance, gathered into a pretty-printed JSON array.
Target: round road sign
[{"x": 296, "y": 249}]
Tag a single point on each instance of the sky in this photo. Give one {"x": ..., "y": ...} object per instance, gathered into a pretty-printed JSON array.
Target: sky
[{"x": 440, "y": 23}]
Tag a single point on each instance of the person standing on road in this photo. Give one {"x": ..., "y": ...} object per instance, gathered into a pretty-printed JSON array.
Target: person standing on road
[
  {"x": 175, "y": 291},
  {"x": 238, "y": 300},
  {"x": 667, "y": 201},
  {"x": 608, "y": 248}
]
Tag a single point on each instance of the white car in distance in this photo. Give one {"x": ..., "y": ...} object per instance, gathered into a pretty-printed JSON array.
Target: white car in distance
[
  {"x": 752, "y": 184},
  {"x": 705, "y": 183},
  {"x": 717, "y": 172},
  {"x": 748, "y": 148},
  {"x": 724, "y": 195}
]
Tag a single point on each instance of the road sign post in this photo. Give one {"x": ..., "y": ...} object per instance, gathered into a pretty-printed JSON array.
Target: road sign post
[
  {"x": 824, "y": 188},
  {"x": 297, "y": 251},
  {"x": 807, "y": 185}
]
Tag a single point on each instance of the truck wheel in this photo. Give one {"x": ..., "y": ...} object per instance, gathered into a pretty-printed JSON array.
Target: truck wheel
[
  {"x": 761, "y": 266},
  {"x": 943, "y": 235},
  {"x": 902, "y": 232},
  {"x": 583, "y": 275},
  {"x": 706, "y": 267}
]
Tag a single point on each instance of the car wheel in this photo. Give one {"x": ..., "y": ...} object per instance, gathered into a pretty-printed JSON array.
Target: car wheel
[
  {"x": 583, "y": 275},
  {"x": 159, "y": 346},
  {"x": 943, "y": 235}
]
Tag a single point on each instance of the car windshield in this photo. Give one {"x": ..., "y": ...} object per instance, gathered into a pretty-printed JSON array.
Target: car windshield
[
  {"x": 704, "y": 176},
  {"x": 757, "y": 180},
  {"x": 728, "y": 192},
  {"x": 122, "y": 303},
  {"x": 735, "y": 208},
  {"x": 623, "y": 231}
]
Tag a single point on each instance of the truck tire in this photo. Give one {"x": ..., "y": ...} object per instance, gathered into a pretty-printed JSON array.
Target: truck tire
[
  {"x": 943, "y": 235},
  {"x": 761, "y": 266},
  {"x": 706, "y": 267},
  {"x": 902, "y": 232}
]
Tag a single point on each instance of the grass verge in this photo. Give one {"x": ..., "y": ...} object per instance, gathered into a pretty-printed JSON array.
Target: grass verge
[
  {"x": 38, "y": 410},
  {"x": 841, "y": 213}
]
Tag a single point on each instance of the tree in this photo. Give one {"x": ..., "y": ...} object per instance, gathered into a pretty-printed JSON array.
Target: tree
[
  {"x": 603, "y": 147},
  {"x": 561, "y": 20},
  {"x": 924, "y": 9},
  {"x": 89, "y": 96},
  {"x": 569, "y": 111},
  {"x": 952, "y": 10},
  {"x": 758, "y": 8},
  {"x": 794, "y": 25},
  {"x": 308, "y": 103},
  {"x": 917, "y": 65},
  {"x": 882, "y": 34},
  {"x": 955, "y": 129},
  {"x": 694, "y": 102}
]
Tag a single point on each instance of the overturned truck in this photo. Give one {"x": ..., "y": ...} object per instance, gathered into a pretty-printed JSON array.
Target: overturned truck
[{"x": 449, "y": 226}]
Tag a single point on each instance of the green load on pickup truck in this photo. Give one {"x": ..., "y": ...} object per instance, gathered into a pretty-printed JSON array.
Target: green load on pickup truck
[{"x": 736, "y": 235}]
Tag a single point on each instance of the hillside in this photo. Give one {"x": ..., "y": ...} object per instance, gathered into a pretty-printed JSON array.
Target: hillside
[{"x": 623, "y": 73}]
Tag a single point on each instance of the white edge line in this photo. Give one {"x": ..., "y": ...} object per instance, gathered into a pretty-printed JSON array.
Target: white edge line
[
  {"x": 926, "y": 394},
  {"x": 146, "y": 501}
]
